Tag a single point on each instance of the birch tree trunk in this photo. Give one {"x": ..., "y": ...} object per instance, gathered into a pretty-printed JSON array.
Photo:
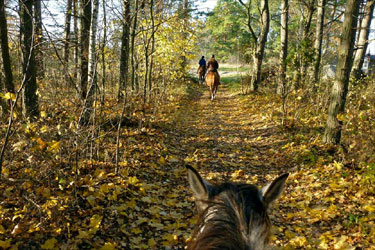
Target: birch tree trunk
[
  {"x": 318, "y": 39},
  {"x": 86, "y": 112},
  {"x": 339, "y": 92},
  {"x": 284, "y": 46},
  {"x": 363, "y": 39},
  {"x": 9, "y": 86},
  {"x": 124, "y": 56},
  {"x": 261, "y": 43},
  {"x": 29, "y": 98}
]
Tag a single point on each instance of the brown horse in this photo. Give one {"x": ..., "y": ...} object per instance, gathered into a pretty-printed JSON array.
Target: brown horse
[
  {"x": 201, "y": 73},
  {"x": 213, "y": 81},
  {"x": 232, "y": 215}
]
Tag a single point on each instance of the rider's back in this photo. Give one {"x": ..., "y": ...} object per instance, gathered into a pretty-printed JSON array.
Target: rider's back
[{"x": 212, "y": 64}]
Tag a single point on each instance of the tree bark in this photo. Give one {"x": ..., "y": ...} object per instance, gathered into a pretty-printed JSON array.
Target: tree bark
[
  {"x": 261, "y": 43},
  {"x": 5, "y": 50},
  {"x": 363, "y": 39},
  {"x": 85, "y": 44},
  {"x": 133, "y": 35},
  {"x": 339, "y": 91},
  {"x": 318, "y": 39},
  {"x": 124, "y": 56},
  {"x": 104, "y": 41},
  {"x": 68, "y": 18},
  {"x": 76, "y": 40},
  {"x": 38, "y": 39},
  {"x": 284, "y": 46},
  {"x": 30, "y": 98},
  {"x": 87, "y": 110}
]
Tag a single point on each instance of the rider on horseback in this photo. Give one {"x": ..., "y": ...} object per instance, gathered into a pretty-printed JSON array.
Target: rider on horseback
[
  {"x": 212, "y": 66},
  {"x": 202, "y": 64}
]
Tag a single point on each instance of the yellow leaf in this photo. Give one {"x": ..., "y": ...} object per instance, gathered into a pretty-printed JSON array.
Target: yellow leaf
[
  {"x": 83, "y": 234},
  {"x": 136, "y": 230},
  {"x": 54, "y": 146},
  {"x": 43, "y": 114},
  {"x": 341, "y": 243},
  {"x": 298, "y": 241},
  {"x": 151, "y": 243},
  {"x": 44, "y": 129},
  {"x": 2, "y": 230},
  {"x": 131, "y": 204},
  {"x": 133, "y": 180},
  {"x": 49, "y": 244},
  {"x": 9, "y": 95},
  {"x": 108, "y": 246},
  {"x": 5, "y": 172},
  {"x": 369, "y": 208},
  {"x": 4, "y": 244},
  {"x": 162, "y": 161},
  {"x": 95, "y": 223}
]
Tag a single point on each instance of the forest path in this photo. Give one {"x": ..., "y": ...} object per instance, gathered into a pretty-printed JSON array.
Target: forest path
[
  {"x": 229, "y": 134},
  {"x": 232, "y": 138}
]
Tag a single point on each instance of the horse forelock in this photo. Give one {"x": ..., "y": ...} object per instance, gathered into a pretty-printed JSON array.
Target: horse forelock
[{"x": 235, "y": 218}]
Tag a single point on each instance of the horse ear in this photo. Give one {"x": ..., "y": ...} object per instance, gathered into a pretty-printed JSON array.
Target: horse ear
[
  {"x": 274, "y": 189},
  {"x": 199, "y": 186}
]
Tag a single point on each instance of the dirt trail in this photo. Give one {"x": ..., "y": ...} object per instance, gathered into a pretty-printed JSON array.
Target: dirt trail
[{"x": 227, "y": 134}]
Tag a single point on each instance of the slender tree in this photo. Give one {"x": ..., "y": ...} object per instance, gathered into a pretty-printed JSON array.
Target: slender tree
[
  {"x": 284, "y": 46},
  {"x": 260, "y": 40},
  {"x": 318, "y": 38},
  {"x": 76, "y": 40},
  {"x": 133, "y": 59},
  {"x": 103, "y": 45},
  {"x": 38, "y": 39},
  {"x": 92, "y": 79},
  {"x": 124, "y": 56},
  {"x": 363, "y": 38},
  {"x": 339, "y": 91},
  {"x": 30, "y": 98},
  {"x": 9, "y": 86},
  {"x": 85, "y": 44},
  {"x": 68, "y": 18}
]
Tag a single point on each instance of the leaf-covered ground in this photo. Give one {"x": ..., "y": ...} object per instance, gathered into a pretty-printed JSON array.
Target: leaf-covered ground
[{"x": 53, "y": 197}]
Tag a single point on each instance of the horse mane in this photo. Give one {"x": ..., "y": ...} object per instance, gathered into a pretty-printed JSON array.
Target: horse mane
[{"x": 234, "y": 219}]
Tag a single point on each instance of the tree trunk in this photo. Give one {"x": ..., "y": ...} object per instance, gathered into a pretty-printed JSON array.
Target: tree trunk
[
  {"x": 86, "y": 112},
  {"x": 104, "y": 41},
  {"x": 153, "y": 43},
  {"x": 30, "y": 98},
  {"x": 5, "y": 50},
  {"x": 85, "y": 44},
  {"x": 133, "y": 34},
  {"x": 76, "y": 41},
  {"x": 318, "y": 39},
  {"x": 68, "y": 17},
  {"x": 306, "y": 43},
  {"x": 124, "y": 56},
  {"x": 38, "y": 39},
  {"x": 339, "y": 92},
  {"x": 363, "y": 39},
  {"x": 284, "y": 46},
  {"x": 261, "y": 43}
]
